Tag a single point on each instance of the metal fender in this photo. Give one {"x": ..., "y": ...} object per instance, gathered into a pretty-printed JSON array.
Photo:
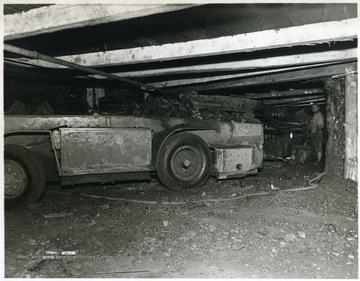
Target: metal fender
[
  {"x": 161, "y": 137},
  {"x": 39, "y": 142}
]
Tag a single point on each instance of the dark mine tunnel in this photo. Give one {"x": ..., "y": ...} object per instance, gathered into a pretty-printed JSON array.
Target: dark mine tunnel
[{"x": 180, "y": 140}]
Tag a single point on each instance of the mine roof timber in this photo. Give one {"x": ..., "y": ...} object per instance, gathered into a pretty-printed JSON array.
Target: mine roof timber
[
  {"x": 308, "y": 102},
  {"x": 27, "y": 53},
  {"x": 295, "y": 75},
  {"x": 59, "y": 17},
  {"x": 194, "y": 81},
  {"x": 278, "y": 61},
  {"x": 290, "y": 100},
  {"x": 262, "y": 40},
  {"x": 284, "y": 93}
]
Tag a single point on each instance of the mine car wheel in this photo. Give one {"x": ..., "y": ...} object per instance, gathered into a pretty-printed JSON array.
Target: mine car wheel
[
  {"x": 184, "y": 162},
  {"x": 24, "y": 177}
]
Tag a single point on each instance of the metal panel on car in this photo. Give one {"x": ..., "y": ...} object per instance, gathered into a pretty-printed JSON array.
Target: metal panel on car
[
  {"x": 105, "y": 150},
  {"x": 233, "y": 162}
]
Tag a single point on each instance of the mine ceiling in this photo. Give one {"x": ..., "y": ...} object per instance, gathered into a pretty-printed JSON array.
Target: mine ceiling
[{"x": 275, "y": 53}]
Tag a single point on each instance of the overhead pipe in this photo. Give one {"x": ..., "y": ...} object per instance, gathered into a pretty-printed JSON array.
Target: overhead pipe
[{"x": 36, "y": 55}]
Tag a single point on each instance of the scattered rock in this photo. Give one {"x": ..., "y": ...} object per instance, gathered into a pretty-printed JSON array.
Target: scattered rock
[
  {"x": 18, "y": 108},
  {"x": 301, "y": 234},
  {"x": 57, "y": 215},
  {"x": 273, "y": 187},
  {"x": 192, "y": 234},
  {"x": 212, "y": 228},
  {"x": 291, "y": 237},
  {"x": 34, "y": 265},
  {"x": 104, "y": 207},
  {"x": 273, "y": 252},
  {"x": 92, "y": 222},
  {"x": 167, "y": 254},
  {"x": 261, "y": 231},
  {"x": 238, "y": 248},
  {"x": 350, "y": 238},
  {"x": 38, "y": 252},
  {"x": 273, "y": 232},
  {"x": 31, "y": 242},
  {"x": 337, "y": 248},
  {"x": 45, "y": 242},
  {"x": 263, "y": 238}
]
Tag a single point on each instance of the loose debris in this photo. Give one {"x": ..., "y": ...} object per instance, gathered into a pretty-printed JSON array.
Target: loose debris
[
  {"x": 234, "y": 196},
  {"x": 303, "y": 234},
  {"x": 127, "y": 271},
  {"x": 187, "y": 105},
  {"x": 104, "y": 207},
  {"x": 57, "y": 215},
  {"x": 291, "y": 237},
  {"x": 20, "y": 108}
]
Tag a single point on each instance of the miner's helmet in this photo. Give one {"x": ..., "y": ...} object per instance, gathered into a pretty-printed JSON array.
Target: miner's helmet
[{"x": 314, "y": 105}]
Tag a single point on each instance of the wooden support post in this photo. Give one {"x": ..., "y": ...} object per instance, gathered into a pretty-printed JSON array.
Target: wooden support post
[
  {"x": 335, "y": 116},
  {"x": 330, "y": 146},
  {"x": 90, "y": 99},
  {"x": 99, "y": 93},
  {"x": 351, "y": 137}
]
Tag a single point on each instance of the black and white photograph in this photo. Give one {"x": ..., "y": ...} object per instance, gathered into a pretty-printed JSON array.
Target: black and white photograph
[{"x": 180, "y": 139}]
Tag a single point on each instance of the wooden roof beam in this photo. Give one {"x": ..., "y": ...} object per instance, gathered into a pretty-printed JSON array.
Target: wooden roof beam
[
  {"x": 295, "y": 75},
  {"x": 59, "y": 17},
  {"x": 192, "y": 81},
  {"x": 309, "y": 34},
  {"x": 278, "y": 61},
  {"x": 290, "y": 100},
  {"x": 302, "y": 103},
  {"x": 284, "y": 93}
]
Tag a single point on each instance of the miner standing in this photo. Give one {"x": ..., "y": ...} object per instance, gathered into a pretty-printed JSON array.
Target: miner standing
[{"x": 315, "y": 127}]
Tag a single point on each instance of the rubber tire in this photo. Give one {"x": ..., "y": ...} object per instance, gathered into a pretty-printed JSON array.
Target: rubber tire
[
  {"x": 35, "y": 173},
  {"x": 171, "y": 146}
]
